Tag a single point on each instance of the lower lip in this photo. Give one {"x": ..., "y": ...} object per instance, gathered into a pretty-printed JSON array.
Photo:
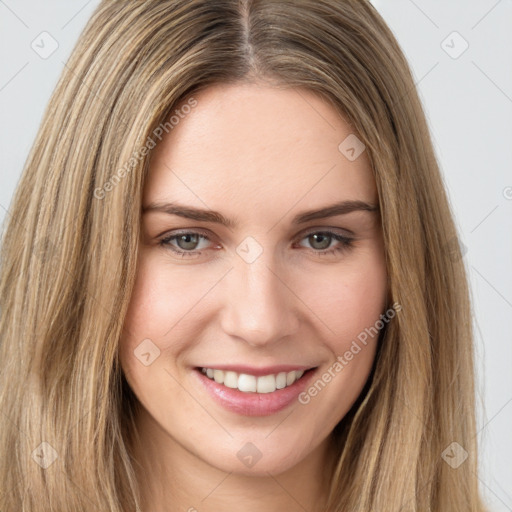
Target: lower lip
[{"x": 254, "y": 404}]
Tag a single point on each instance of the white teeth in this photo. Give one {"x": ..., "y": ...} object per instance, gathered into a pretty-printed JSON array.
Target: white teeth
[
  {"x": 281, "y": 380},
  {"x": 231, "y": 380},
  {"x": 247, "y": 383},
  {"x": 290, "y": 378},
  {"x": 266, "y": 384},
  {"x": 250, "y": 383}
]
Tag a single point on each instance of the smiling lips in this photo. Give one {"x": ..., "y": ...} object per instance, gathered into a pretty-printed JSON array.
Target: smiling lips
[
  {"x": 251, "y": 391},
  {"x": 251, "y": 383}
]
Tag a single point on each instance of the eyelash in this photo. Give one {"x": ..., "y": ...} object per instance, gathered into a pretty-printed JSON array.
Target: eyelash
[{"x": 345, "y": 243}]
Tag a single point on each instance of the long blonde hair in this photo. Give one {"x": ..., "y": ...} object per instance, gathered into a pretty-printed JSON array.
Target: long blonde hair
[{"x": 69, "y": 253}]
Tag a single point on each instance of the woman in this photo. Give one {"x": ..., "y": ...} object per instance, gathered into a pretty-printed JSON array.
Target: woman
[{"x": 230, "y": 272}]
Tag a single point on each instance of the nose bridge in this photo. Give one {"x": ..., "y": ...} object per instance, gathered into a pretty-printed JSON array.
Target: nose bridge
[{"x": 259, "y": 308}]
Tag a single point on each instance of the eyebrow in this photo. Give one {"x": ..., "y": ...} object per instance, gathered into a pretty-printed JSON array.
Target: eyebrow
[{"x": 190, "y": 212}]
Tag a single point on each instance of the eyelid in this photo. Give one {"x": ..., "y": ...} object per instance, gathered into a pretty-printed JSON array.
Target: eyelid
[
  {"x": 181, "y": 231},
  {"x": 322, "y": 229}
]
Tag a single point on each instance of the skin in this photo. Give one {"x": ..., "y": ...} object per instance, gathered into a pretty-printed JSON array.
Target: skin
[{"x": 259, "y": 155}]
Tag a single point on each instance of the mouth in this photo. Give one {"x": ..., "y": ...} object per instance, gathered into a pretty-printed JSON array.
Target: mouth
[{"x": 252, "y": 391}]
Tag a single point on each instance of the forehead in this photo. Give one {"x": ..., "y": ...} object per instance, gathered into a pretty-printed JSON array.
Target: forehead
[{"x": 247, "y": 148}]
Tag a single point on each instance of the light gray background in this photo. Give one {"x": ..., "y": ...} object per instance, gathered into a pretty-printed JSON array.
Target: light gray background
[{"x": 468, "y": 101}]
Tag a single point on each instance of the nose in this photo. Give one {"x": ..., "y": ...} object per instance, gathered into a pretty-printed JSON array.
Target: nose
[{"x": 259, "y": 306}]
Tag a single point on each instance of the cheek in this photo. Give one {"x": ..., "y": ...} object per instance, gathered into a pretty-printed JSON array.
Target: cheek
[
  {"x": 350, "y": 302},
  {"x": 153, "y": 311},
  {"x": 154, "y": 325},
  {"x": 350, "y": 298},
  {"x": 163, "y": 298}
]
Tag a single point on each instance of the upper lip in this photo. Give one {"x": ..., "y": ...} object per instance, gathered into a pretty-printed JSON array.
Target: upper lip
[{"x": 258, "y": 371}]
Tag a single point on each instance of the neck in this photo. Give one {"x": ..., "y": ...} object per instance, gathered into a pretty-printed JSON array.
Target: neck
[{"x": 173, "y": 479}]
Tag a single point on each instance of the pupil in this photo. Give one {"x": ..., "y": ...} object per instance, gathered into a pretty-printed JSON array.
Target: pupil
[
  {"x": 186, "y": 240},
  {"x": 324, "y": 240}
]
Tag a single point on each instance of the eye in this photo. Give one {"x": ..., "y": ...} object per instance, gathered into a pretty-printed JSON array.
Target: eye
[
  {"x": 186, "y": 243},
  {"x": 189, "y": 243},
  {"x": 321, "y": 242}
]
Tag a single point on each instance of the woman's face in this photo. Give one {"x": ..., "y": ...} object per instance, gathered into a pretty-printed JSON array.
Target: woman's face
[{"x": 238, "y": 277}]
